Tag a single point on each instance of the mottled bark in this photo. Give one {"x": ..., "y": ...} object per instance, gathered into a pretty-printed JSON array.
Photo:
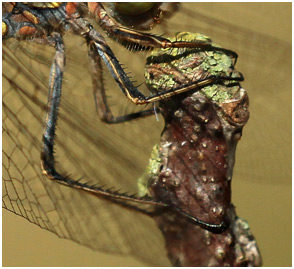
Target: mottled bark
[
  {"x": 190, "y": 245},
  {"x": 196, "y": 155}
]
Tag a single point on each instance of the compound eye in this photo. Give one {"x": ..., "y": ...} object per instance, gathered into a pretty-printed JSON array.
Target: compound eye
[
  {"x": 4, "y": 28},
  {"x": 133, "y": 8}
]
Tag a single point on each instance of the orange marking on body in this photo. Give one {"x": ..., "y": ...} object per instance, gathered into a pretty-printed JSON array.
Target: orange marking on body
[
  {"x": 27, "y": 30},
  {"x": 92, "y": 6},
  {"x": 71, "y": 8},
  {"x": 31, "y": 17},
  {"x": 7, "y": 7},
  {"x": 165, "y": 44}
]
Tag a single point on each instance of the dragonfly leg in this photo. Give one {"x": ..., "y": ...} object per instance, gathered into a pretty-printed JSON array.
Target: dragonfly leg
[
  {"x": 139, "y": 40},
  {"x": 191, "y": 86},
  {"x": 98, "y": 46},
  {"x": 102, "y": 107},
  {"x": 54, "y": 95},
  {"x": 97, "y": 42},
  {"x": 216, "y": 228},
  {"x": 47, "y": 152}
]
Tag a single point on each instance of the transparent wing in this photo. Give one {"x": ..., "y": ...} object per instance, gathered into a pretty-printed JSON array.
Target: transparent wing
[
  {"x": 85, "y": 148},
  {"x": 116, "y": 155}
]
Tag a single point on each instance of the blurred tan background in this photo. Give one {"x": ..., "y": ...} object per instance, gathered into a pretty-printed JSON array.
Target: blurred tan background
[{"x": 266, "y": 204}]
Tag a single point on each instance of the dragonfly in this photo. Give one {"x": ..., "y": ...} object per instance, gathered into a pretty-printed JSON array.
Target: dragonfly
[{"x": 65, "y": 206}]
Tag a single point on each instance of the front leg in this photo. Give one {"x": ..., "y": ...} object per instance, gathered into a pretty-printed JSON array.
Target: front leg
[
  {"x": 97, "y": 43},
  {"x": 103, "y": 110},
  {"x": 47, "y": 152},
  {"x": 139, "y": 40},
  {"x": 54, "y": 95}
]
